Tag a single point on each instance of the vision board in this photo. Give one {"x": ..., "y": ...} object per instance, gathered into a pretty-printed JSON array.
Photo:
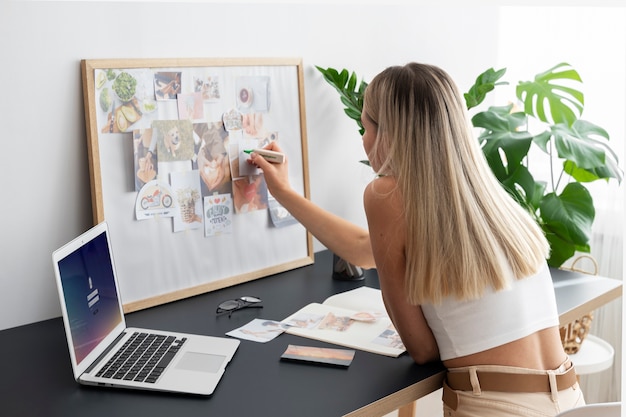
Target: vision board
[{"x": 168, "y": 171}]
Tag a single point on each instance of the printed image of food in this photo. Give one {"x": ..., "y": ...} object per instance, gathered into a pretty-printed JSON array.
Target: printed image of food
[
  {"x": 130, "y": 112},
  {"x": 101, "y": 78},
  {"x": 105, "y": 99},
  {"x": 124, "y": 86},
  {"x": 120, "y": 119}
]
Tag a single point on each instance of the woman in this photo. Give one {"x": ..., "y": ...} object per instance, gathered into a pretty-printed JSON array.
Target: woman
[{"x": 461, "y": 266}]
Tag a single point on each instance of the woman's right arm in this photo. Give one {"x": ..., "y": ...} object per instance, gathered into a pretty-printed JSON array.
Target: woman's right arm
[{"x": 341, "y": 237}]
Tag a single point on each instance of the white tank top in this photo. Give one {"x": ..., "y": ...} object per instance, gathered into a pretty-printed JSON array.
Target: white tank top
[{"x": 466, "y": 327}]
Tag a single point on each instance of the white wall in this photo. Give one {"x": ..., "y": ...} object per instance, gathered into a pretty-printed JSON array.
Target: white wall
[{"x": 46, "y": 195}]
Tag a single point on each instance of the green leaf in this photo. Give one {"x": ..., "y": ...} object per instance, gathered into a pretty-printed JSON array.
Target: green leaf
[
  {"x": 586, "y": 146},
  {"x": 351, "y": 82},
  {"x": 570, "y": 214},
  {"x": 528, "y": 192},
  {"x": 579, "y": 148},
  {"x": 579, "y": 174},
  {"x": 346, "y": 85},
  {"x": 499, "y": 119},
  {"x": 564, "y": 103},
  {"x": 561, "y": 250},
  {"x": 502, "y": 133},
  {"x": 566, "y": 220},
  {"x": 485, "y": 83},
  {"x": 542, "y": 140}
]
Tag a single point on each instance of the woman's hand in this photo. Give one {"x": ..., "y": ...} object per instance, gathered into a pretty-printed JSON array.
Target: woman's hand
[{"x": 276, "y": 175}]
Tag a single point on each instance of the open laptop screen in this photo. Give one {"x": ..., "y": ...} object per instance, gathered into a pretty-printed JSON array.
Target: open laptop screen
[{"x": 91, "y": 297}]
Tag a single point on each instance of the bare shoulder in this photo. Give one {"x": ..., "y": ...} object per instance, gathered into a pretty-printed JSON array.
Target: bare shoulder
[
  {"x": 384, "y": 207},
  {"x": 383, "y": 192}
]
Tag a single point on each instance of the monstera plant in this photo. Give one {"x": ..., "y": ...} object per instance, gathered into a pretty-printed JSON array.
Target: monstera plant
[{"x": 545, "y": 132}]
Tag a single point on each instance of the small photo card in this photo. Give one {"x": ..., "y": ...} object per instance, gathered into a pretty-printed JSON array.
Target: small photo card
[
  {"x": 319, "y": 355},
  {"x": 259, "y": 330}
]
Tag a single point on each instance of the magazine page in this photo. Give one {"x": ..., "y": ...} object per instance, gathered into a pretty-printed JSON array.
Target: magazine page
[
  {"x": 357, "y": 329},
  {"x": 359, "y": 299}
]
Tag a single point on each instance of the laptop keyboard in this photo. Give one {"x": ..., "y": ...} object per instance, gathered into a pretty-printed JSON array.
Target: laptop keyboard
[{"x": 143, "y": 358}]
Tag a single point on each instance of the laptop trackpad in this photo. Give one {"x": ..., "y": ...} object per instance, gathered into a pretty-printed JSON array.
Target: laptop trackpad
[{"x": 201, "y": 362}]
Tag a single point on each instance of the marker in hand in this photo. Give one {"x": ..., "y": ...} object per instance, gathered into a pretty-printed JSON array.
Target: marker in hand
[{"x": 270, "y": 156}]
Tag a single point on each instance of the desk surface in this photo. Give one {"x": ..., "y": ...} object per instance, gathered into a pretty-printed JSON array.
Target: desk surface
[
  {"x": 578, "y": 293},
  {"x": 38, "y": 379}
]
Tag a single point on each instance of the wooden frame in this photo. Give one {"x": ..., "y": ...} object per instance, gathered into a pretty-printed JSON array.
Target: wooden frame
[{"x": 162, "y": 255}]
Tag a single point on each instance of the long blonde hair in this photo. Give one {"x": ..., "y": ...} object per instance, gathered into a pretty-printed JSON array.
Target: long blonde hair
[{"x": 464, "y": 231}]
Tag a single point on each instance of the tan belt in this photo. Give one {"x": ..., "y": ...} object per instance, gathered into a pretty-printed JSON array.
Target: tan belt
[
  {"x": 507, "y": 382},
  {"x": 503, "y": 382}
]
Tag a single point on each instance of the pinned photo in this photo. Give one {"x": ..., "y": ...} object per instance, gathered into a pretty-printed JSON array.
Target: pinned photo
[
  {"x": 253, "y": 93},
  {"x": 250, "y": 194},
  {"x": 174, "y": 139},
  {"x": 190, "y": 106},
  {"x": 186, "y": 187},
  {"x": 167, "y": 85},
  {"x": 145, "y": 157},
  {"x": 154, "y": 199},
  {"x": 218, "y": 214},
  {"x": 208, "y": 87}
]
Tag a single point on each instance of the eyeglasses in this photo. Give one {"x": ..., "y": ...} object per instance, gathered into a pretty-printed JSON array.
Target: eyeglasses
[{"x": 246, "y": 301}]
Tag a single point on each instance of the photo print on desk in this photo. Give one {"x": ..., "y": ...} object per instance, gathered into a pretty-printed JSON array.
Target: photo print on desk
[
  {"x": 259, "y": 330},
  {"x": 319, "y": 355}
]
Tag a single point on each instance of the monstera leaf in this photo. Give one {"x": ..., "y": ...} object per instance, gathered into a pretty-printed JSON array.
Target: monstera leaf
[
  {"x": 567, "y": 219},
  {"x": 565, "y": 104},
  {"x": 585, "y": 147}
]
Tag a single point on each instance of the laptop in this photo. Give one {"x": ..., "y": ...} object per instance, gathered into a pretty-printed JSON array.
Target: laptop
[{"x": 102, "y": 347}]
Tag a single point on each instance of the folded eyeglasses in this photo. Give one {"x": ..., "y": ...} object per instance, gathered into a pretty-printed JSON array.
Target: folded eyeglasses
[{"x": 247, "y": 301}]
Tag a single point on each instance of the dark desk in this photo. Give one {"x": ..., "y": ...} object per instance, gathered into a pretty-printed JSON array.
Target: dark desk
[{"x": 37, "y": 377}]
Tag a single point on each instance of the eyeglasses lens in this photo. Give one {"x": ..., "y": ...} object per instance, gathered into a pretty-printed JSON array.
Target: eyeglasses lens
[
  {"x": 232, "y": 305},
  {"x": 249, "y": 299}
]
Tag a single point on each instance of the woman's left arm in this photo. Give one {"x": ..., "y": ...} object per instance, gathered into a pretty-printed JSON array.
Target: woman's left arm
[{"x": 384, "y": 210}]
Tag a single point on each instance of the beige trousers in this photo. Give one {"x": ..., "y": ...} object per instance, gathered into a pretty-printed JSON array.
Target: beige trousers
[{"x": 478, "y": 403}]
